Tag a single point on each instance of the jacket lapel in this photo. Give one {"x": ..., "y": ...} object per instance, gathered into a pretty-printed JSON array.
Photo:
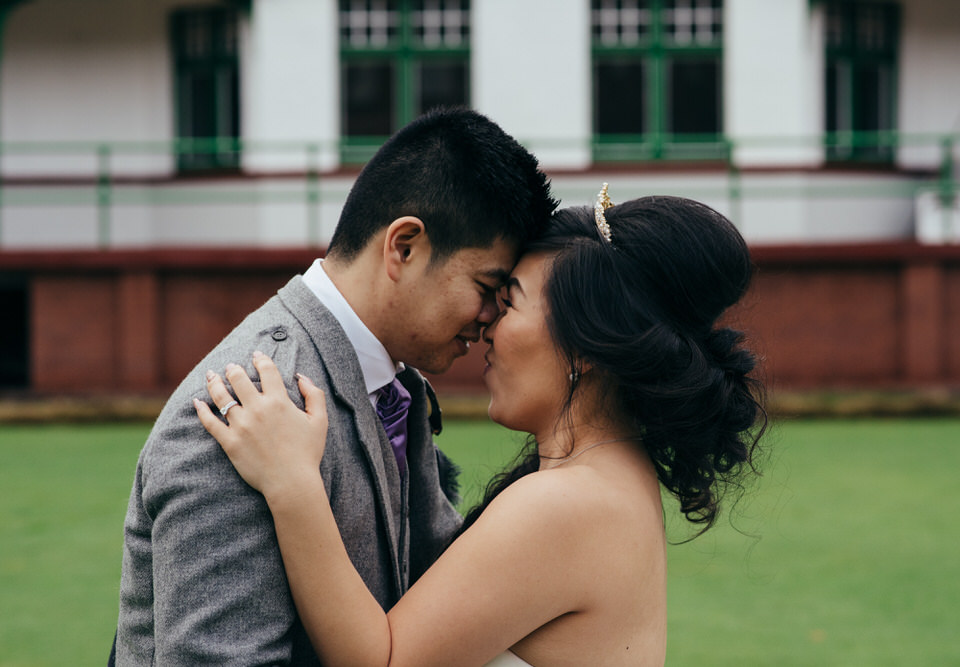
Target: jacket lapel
[
  {"x": 433, "y": 519},
  {"x": 343, "y": 369}
]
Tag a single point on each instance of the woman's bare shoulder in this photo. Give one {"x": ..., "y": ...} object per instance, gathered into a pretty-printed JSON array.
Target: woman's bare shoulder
[
  {"x": 558, "y": 504},
  {"x": 560, "y": 519}
]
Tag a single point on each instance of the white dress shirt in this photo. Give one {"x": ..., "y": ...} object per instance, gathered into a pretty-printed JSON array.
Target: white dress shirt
[{"x": 377, "y": 366}]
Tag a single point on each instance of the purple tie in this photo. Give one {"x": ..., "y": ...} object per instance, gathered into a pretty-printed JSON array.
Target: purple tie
[{"x": 393, "y": 403}]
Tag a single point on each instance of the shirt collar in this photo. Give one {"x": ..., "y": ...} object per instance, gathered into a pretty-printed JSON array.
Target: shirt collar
[{"x": 375, "y": 363}]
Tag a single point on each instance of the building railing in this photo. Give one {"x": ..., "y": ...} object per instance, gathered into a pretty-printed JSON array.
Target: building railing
[{"x": 110, "y": 174}]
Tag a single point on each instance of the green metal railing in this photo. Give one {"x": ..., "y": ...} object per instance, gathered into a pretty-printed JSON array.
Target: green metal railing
[{"x": 104, "y": 182}]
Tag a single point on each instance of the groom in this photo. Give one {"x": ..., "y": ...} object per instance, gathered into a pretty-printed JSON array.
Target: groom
[{"x": 430, "y": 229}]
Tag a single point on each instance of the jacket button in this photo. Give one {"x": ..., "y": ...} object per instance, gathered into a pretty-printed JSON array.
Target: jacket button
[{"x": 279, "y": 334}]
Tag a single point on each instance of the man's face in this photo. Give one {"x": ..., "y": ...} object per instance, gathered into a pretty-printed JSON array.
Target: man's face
[{"x": 442, "y": 309}]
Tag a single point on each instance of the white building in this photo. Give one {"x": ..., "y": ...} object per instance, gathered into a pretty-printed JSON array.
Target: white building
[{"x": 806, "y": 121}]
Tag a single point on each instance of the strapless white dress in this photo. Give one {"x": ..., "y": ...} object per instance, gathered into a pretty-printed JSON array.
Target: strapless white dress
[{"x": 508, "y": 659}]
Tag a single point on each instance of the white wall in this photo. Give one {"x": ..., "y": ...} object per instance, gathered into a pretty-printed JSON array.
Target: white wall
[
  {"x": 929, "y": 82},
  {"x": 290, "y": 85},
  {"x": 531, "y": 74},
  {"x": 265, "y": 212},
  {"x": 772, "y": 82},
  {"x": 86, "y": 72},
  {"x": 767, "y": 208},
  {"x": 100, "y": 70}
]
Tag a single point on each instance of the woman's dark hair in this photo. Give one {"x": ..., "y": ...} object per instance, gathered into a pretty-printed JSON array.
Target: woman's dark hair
[
  {"x": 641, "y": 310},
  {"x": 461, "y": 174}
]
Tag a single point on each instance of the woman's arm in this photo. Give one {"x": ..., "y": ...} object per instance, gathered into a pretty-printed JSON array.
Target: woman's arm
[
  {"x": 345, "y": 623},
  {"x": 274, "y": 446},
  {"x": 508, "y": 575}
]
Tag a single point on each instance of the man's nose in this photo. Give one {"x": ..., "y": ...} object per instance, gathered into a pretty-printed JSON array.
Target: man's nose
[{"x": 489, "y": 311}]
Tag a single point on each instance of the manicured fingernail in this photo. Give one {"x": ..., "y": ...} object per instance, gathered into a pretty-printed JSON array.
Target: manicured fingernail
[
  {"x": 196, "y": 403},
  {"x": 210, "y": 376},
  {"x": 231, "y": 366},
  {"x": 257, "y": 354}
]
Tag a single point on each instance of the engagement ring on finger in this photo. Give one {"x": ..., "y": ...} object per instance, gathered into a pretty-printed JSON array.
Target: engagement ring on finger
[{"x": 226, "y": 408}]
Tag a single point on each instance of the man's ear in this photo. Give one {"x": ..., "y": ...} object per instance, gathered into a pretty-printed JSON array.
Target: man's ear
[{"x": 404, "y": 244}]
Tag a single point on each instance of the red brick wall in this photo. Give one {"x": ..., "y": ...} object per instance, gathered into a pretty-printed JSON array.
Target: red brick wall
[
  {"x": 951, "y": 321},
  {"x": 857, "y": 316},
  {"x": 817, "y": 326},
  {"x": 138, "y": 321},
  {"x": 820, "y": 316},
  {"x": 73, "y": 332},
  {"x": 198, "y": 310}
]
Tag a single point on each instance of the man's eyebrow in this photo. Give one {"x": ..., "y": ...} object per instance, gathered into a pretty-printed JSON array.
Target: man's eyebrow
[{"x": 498, "y": 276}]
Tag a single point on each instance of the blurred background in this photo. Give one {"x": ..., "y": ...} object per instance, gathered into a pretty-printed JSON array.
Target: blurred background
[{"x": 166, "y": 165}]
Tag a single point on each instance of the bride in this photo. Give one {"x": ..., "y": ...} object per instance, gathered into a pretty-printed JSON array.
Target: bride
[{"x": 609, "y": 354}]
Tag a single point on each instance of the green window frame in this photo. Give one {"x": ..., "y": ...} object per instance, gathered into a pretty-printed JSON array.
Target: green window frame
[
  {"x": 657, "y": 79},
  {"x": 206, "y": 88},
  {"x": 399, "y": 59},
  {"x": 861, "y": 80}
]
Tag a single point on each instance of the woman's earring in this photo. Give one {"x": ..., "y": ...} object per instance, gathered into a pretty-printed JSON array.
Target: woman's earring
[{"x": 574, "y": 376}]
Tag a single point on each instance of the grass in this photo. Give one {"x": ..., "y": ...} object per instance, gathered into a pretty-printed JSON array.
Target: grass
[
  {"x": 855, "y": 559},
  {"x": 844, "y": 552},
  {"x": 64, "y": 491}
]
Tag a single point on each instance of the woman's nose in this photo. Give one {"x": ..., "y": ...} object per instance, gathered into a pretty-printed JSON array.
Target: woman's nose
[{"x": 487, "y": 333}]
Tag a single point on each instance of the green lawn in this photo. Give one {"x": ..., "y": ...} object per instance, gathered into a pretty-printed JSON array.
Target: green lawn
[{"x": 846, "y": 552}]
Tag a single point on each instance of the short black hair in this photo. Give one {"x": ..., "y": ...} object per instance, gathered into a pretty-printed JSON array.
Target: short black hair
[{"x": 468, "y": 181}]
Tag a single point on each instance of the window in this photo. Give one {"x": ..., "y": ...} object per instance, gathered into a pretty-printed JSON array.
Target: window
[
  {"x": 399, "y": 59},
  {"x": 861, "y": 59},
  {"x": 206, "y": 79},
  {"x": 15, "y": 334},
  {"x": 657, "y": 79}
]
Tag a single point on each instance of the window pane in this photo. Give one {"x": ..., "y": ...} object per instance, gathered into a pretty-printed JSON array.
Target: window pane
[
  {"x": 875, "y": 27},
  {"x": 14, "y": 335},
  {"x": 838, "y": 104},
  {"x": 196, "y": 35},
  {"x": 837, "y": 28},
  {"x": 207, "y": 82},
  {"x": 197, "y": 116},
  {"x": 873, "y": 111},
  {"x": 873, "y": 92},
  {"x": 369, "y": 23},
  {"x": 228, "y": 114},
  {"x": 619, "y": 97},
  {"x": 226, "y": 38},
  {"x": 439, "y": 23},
  {"x": 693, "y": 22},
  {"x": 368, "y": 98},
  {"x": 621, "y": 22},
  {"x": 201, "y": 35},
  {"x": 442, "y": 84},
  {"x": 864, "y": 27},
  {"x": 197, "y": 105},
  {"x": 860, "y": 76},
  {"x": 694, "y": 97},
  {"x": 839, "y": 110}
]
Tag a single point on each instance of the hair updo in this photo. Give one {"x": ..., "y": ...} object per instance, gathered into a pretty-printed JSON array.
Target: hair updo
[{"x": 641, "y": 310}]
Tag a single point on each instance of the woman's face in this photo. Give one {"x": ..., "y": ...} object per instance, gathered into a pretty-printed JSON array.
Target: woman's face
[{"x": 525, "y": 373}]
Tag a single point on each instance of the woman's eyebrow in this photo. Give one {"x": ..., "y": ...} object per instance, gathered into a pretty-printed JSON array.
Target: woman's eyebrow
[{"x": 514, "y": 283}]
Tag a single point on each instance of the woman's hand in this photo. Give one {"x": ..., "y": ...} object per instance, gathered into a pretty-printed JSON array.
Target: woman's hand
[{"x": 271, "y": 442}]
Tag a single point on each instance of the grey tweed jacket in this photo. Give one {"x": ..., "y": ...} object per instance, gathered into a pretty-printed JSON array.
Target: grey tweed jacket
[{"x": 202, "y": 579}]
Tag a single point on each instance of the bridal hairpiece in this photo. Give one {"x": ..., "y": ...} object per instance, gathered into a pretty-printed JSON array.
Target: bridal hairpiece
[{"x": 602, "y": 204}]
